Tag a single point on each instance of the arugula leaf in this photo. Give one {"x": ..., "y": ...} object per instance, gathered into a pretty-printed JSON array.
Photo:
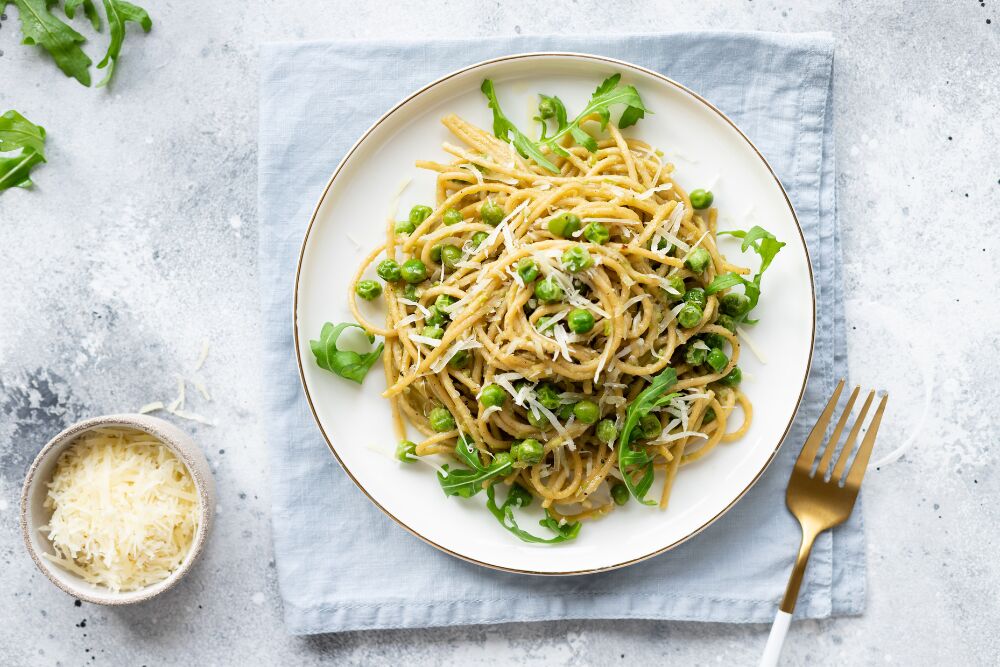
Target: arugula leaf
[
  {"x": 89, "y": 10},
  {"x": 17, "y": 132},
  {"x": 345, "y": 363},
  {"x": 40, "y": 27},
  {"x": 607, "y": 95},
  {"x": 503, "y": 129},
  {"x": 119, "y": 13},
  {"x": 767, "y": 247},
  {"x": 559, "y": 113},
  {"x": 632, "y": 460},
  {"x": 518, "y": 496},
  {"x": 467, "y": 483}
]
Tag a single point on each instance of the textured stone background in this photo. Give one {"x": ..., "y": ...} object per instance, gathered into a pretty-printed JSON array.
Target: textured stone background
[{"x": 139, "y": 243}]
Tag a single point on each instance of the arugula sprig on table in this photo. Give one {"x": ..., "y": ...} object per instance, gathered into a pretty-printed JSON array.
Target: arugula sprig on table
[
  {"x": 638, "y": 461},
  {"x": 610, "y": 93},
  {"x": 345, "y": 363},
  {"x": 766, "y": 246},
  {"x": 17, "y": 133},
  {"x": 40, "y": 27}
]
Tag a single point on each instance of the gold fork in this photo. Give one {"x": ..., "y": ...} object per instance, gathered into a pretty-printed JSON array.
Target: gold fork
[{"x": 820, "y": 503}]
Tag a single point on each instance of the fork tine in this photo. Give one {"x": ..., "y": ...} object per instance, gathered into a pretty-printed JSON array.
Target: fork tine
[
  {"x": 852, "y": 437},
  {"x": 860, "y": 465},
  {"x": 808, "y": 454},
  {"x": 831, "y": 446}
]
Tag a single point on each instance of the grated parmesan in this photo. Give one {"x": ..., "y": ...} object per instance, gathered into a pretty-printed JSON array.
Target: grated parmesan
[{"x": 124, "y": 510}]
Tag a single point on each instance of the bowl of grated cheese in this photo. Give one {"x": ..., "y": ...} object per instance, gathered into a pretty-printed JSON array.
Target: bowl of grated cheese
[{"x": 116, "y": 509}]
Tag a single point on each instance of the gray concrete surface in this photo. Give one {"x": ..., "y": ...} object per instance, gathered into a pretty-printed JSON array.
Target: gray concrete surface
[{"x": 139, "y": 243}]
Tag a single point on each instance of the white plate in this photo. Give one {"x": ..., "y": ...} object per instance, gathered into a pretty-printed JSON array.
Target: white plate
[{"x": 356, "y": 420}]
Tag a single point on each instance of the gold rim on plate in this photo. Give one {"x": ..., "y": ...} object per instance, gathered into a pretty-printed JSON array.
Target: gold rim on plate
[{"x": 604, "y": 60}]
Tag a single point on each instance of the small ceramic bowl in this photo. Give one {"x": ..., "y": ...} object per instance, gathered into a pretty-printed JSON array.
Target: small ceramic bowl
[{"x": 34, "y": 515}]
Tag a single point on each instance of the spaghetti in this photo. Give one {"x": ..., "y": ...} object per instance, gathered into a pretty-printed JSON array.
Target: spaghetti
[{"x": 544, "y": 292}]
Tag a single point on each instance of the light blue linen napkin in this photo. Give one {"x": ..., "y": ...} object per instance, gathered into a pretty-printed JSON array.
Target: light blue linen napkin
[{"x": 342, "y": 564}]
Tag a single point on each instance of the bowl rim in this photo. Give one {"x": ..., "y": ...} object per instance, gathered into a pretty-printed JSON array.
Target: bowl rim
[{"x": 180, "y": 444}]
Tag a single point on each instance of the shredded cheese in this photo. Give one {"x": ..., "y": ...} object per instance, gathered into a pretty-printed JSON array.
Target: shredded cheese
[{"x": 124, "y": 510}]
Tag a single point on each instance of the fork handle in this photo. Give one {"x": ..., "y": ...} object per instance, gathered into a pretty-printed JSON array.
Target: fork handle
[{"x": 776, "y": 639}]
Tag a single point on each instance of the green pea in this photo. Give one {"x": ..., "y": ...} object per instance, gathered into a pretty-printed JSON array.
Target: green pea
[
  {"x": 406, "y": 451},
  {"x": 492, "y": 396},
  {"x": 714, "y": 340},
  {"x": 595, "y": 232},
  {"x": 577, "y": 259},
  {"x": 696, "y": 295},
  {"x": 478, "y": 238},
  {"x": 701, "y": 198},
  {"x": 650, "y": 426},
  {"x": 543, "y": 323},
  {"x": 450, "y": 255},
  {"x": 460, "y": 360},
  {"x": 433, "y": 331},
  {"x": 527, "y": 270},
  {"x": 566, "y": 411},
  {"x": 689, "y": 315},
  {"x": 539, "y": 420},
  {"x": 546, "y": 108},
  {"x": 677, "y": 285},
  {"x": 388, "y": 270},
  {"x": 548, "y": 291},
  {"x": 736, "y": 305},
  {"x": 435, "y": 316},
  {"x": 414, "y": 271},
  {"x": 695, "y": 355},
  {"x": 727, "y": 322},
  {"x": 452, "y": 216},
  {"x": 419, "y": 213},
  {"x": 501, "y": 459},
  {"x": 606, "y": 431},
  {"x": 548, "y": 396},
  {"x": 580, "y": 320},
  {"x": 698, "y": 260},
  {"x": 441, "y": 420},
  {"x": 410, "y": 292},
  {"x": 733, "y": 377},
  {"x": 564, "y": 225},
  {"x": 709, "y": 416},
  {"x": 491, "y": 213},
  {"x": 717, "y": 359},
  {"x": 443, "y": 301},
  {"x": 530, "y": 451},
  {"x": 405, "y": 227},
  {"x": 620, "y": 494},
  {"x": 368, "y": 289},
  {"x": 587, "y": 411},
  {"x": 436, "y": 253}
]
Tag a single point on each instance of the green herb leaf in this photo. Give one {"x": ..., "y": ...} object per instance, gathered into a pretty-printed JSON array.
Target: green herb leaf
[
  {"x": 347, "y": 364},
  {"x": 19, "y": 133},
  {"x": 631, "y": 460},
  {"x": 467, "y": 483},
  {"x": 40, "y": 27},
  {"x": 767, "y": 247},
  {"x": 610, "y": 93},
  {"x": 119, "y": 13},
  {"x": 89, "y": 10},
  {"x": 503, "y": 129},
  {"x": 517, "y": 496}
]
